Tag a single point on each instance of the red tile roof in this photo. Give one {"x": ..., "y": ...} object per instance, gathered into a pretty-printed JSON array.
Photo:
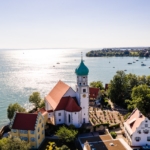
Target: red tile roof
[
  {"x": 24, "y": 121},
  {"x": 68, "y": 104},
  {"x": 93, "y": 92},
  {"x": 42, "y": 110},
  {"x": 56, "y": 94},
  {"x": 72, "y": 105}
]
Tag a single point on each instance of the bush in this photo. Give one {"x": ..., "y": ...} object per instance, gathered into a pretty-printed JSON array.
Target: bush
[
  {"x": 114, "y": 126},
  {"x": 113, "y": 134}
]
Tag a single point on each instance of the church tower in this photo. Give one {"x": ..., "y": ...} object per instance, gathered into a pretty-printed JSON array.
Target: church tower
[{"x": 82, "y": 91}]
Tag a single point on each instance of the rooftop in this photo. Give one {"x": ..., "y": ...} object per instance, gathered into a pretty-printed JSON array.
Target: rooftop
[
  {"x": 134, "y": 120},
  {"x": 82, "y": 69},
  {"x": 24, "y": 121},
  {"x": 103, "y": 142}
]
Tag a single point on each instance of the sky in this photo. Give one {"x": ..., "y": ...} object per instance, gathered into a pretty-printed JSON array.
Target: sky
[{"x": 26, "y": 24}]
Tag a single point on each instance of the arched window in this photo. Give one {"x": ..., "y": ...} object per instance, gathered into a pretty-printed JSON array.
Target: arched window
[{"x": 69, "y": 118}]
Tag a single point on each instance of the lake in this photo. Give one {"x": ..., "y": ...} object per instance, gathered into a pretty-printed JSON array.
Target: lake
[{"x": 25, "y": 71}]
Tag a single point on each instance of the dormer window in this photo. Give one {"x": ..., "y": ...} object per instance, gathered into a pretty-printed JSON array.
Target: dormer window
[
  {"x": 137, "y": 139},
  {"x": 146, "y": 131}
]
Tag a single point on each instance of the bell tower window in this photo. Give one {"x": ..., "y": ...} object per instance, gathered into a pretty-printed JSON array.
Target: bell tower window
[{"x": 84, "y": 90}]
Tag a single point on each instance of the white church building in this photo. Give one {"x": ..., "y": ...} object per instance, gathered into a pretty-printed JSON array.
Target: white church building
[
  {"x": 137, "y": 130},
  {"x": 66, "y": 106}
]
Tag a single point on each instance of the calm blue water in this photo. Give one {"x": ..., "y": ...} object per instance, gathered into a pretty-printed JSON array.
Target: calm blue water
[{"x": 25, "y": 71}]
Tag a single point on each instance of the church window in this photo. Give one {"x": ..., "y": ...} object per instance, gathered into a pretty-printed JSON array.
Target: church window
[
  {"x": 84, "y": 90},
  {"x": 75, "y": 112},
  {"x": 59, "y": 114},
  {"x": 80, "y": 83},
  {"x": 69, "y": 118},
  {"x": 59, "y": 120},
  {"x": 83, "y": 77},
  {"x": 148, "y": 138},
  {"x": 38, "y": 136},
  {"x": 84, "y": 83},
  {"x": 146, "y": 125},
  {"x": 84, "y": 113}
]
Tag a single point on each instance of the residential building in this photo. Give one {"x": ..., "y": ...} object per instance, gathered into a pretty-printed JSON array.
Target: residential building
[
  {"x": 137, "y": 130},
  {"x": 29, "y": 127},
  {"x": 101, "y": 142}
]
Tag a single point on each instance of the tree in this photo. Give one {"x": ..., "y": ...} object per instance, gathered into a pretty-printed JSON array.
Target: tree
[
  {"x": 35, "y": 98},
  {"x": 113, "y": 134},
  {"x": 12, "y": 108},
  {"x": 97, "y": 84},
  {"x": 132, "y": 80},
  {"x": 66, "y": 135},
  {"x": 140, "y": 99},
  {"x": 53, "y": 146},
  {"x": 118, "y": 88},
  {"x": 148, "y": 80},
  {"x": 13, "y": 144}
]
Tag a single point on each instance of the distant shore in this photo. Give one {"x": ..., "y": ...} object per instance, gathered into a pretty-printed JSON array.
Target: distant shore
[{"x": 119, "y": 53}]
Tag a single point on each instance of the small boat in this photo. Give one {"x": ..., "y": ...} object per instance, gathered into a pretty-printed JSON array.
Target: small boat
[
  {"x": 58, "y": 63},
  {"x": 125, "y": 70},
  {"x": 137, "y": 60},
  {"x": 133, "y": 62},
  {"x": 129, "y": 63},
  {"x": 53, "y": 66},
  {"x": 143, "y": 65},
  {"x": 113, "y": 67},
  {"x": 109, "y": 61},
  {"x": 141, "y": 62}
]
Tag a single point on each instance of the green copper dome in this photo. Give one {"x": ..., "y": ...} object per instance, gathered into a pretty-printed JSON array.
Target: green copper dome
[{"x": 82, "y": 70}]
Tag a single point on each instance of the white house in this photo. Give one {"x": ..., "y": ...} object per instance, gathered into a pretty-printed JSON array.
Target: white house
[
  {"x": 66, "y": 106},
  {"x": 137, "y": 130}
]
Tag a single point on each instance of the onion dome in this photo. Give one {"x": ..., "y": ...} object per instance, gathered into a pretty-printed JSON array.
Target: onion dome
[{"x": 82, "y": 70}]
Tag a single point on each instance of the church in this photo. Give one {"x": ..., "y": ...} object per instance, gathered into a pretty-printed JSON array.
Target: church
[{"x": 66, "y": 106}]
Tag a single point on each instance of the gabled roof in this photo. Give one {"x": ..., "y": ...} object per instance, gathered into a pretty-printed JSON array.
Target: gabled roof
[
  {"x": 56, "y": 94},
  {"x": 24, "y": 121},
  {"x": 93, "y": 92},
  {"x": 134, "y": 121}
]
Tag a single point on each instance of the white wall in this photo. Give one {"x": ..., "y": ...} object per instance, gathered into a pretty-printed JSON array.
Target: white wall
[
  {"x": 50, "y": 114},
  {"x": 57, "y": 117},
  {"x": 47, "y": 105},
  {"x": 70, "y": 92},
  {"x": 66, "y": 118},
  {"x": 143, "y": 136},
  {"x": 85, "y": 107}
]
